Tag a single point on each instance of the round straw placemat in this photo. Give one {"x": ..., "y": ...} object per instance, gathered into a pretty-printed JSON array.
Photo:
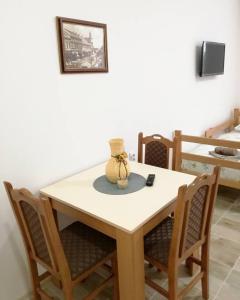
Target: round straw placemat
[{"x": 135, "y": 183}]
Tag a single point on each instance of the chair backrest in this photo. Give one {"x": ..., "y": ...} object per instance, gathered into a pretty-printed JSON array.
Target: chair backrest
[
  {"x": 193, "y": 214},
  {"x": 38, "y": 228},
  {"x": 156, "y": 150}
]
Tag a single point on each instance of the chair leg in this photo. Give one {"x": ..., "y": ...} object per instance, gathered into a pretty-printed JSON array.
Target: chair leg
[
  {"x": 35, "y": 279},
  {"x": 189, "y": 265},
  {"x": 172, "y": 287},
  {"x": 115, "y": 283},
  {"x": 205, "y": 270},
  {"x": 192, "y": 268},
  {"x": 68, "y": 291}
]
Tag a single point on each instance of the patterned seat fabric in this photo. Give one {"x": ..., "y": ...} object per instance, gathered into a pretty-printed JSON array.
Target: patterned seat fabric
[
  {"x": 156, "y": 154},
  {"x": 157, "y": 242},
  {"x": 35, "y": 229},
  {"x": 196, "y": 217},
  {"x": 84, "y": 247}
]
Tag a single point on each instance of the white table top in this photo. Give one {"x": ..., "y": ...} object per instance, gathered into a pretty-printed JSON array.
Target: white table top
[{"x": 127, "y": 212}]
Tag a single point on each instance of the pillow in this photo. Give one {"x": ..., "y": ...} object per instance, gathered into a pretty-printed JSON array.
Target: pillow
[
  {"x": 226, "y": 151},
  {"x": 237, "y": 128}
]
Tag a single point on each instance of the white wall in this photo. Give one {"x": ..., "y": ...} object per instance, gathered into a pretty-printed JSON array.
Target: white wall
[{"x": 53, "y": 125}]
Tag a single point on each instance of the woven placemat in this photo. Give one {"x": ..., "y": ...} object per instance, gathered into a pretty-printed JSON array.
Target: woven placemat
[{"x": 135, "y": 183}]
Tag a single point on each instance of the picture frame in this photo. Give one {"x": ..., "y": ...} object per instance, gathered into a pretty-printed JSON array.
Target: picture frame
[{"x": 83, "y": 46}]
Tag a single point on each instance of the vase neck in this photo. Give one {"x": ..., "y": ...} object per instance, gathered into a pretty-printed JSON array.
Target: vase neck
[{"x": 117, "y": 146}]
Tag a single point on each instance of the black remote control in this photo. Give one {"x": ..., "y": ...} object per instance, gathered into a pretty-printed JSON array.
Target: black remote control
[{"x": 150, "y": 179}]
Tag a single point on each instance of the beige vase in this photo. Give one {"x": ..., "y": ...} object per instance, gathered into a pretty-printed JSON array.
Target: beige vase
[{"x": 117, "y": 167}]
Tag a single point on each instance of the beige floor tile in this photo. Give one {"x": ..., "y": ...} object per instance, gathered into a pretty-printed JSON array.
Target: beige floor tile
[
  {"x": 227, "y": 228},
  {"x": 237, "y": 265},
  {"x": 221, "y": 206},
  {"x": 157, "y": 296},
  {"x": 228, "y": 194},
  {"x": 224, "y": 251},
  {"x": 234, "y": 280},
  {"x": 80, "y": 290},
  {"x": 217, "y": 274},
  {"x": 149, "y": 292},
  {"x": 156, "y": 276},
  {"x": 231, "y": 288},
  {"x": 218, "y": 270},
  {"x": 228, "y": 292},
  {"x": 159, "y": 278},
  {"x": 234, "y": 212},
  {"x": 194, "y": 294}
]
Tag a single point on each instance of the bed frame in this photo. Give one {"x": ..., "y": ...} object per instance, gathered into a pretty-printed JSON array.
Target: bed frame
[
  {"x": 179, "y": 138},
  {"x": 226, "y": 126}
]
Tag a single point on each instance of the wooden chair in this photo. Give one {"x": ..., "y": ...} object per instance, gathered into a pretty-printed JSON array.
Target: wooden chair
[
  {"x": 69, "y": 256},
  {"x": 176, "y": 239},
  {"x": 157, "y": 150}
]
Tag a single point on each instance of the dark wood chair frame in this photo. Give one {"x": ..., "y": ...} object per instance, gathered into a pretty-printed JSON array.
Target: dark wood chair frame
[
  {"x": 178, "y": 253},
  {"x": 59, "y": 268},
  {"x": 156, "y": 138}
]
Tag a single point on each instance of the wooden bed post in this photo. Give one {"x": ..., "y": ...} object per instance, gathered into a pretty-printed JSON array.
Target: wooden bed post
[
  {"x": 178, "y": 150},
  {"x": 225, "y": 126}
]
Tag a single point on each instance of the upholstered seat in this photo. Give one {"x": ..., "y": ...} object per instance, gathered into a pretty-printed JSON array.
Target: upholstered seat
[
  {"x": 84, "y": 247},
  {"x": 157, "y": 242}
]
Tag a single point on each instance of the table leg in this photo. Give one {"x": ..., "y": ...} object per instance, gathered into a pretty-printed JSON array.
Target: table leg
[
  {"x": 55, "y": 215},
  {"x": 130, "y": 255}
]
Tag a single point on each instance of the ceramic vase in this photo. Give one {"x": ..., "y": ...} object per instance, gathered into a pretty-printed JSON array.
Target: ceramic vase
[{"x": 117, "y": 167}]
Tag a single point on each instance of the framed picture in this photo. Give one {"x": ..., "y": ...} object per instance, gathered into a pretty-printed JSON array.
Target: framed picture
[{"x": 83, "y": 46}]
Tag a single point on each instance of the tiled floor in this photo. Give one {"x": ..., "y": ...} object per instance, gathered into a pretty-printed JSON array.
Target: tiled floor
[{"x": 224, "y": 262}]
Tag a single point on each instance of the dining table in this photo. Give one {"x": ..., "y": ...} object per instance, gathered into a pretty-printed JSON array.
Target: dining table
[{"x": 127, "y": 218}]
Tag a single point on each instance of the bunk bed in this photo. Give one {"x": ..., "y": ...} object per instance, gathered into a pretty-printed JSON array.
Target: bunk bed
[{"x": 202, "y": 157}]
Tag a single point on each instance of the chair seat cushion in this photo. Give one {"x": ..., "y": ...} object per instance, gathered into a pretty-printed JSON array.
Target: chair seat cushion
[
  {"x": 157, "y": 242},
  {"x": 84, "y": 247}
]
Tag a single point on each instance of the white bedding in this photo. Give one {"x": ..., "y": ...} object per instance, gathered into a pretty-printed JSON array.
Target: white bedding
[{"x": 226, "y": 173}]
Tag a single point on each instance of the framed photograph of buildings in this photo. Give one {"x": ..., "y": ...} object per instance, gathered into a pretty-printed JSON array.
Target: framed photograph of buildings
[{"x": 83, "y": 46}]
